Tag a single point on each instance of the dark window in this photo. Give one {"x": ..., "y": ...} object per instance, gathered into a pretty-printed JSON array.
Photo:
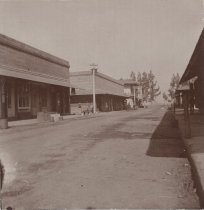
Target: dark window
[
  {"x": 73, "y": 91},
  {"x": 23, "y": 96}
]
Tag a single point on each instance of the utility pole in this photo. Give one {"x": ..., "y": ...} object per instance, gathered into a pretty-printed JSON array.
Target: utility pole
[{"x": 94, "y": 70}]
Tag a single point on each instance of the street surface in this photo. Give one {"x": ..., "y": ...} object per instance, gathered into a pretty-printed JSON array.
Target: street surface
[{"x": 128, "y": 159}]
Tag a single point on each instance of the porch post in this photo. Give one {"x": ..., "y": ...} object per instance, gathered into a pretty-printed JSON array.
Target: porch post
[
  {"x": 66, "y": 100},
  {"x": 3, "y": 102},
  {"x": 187, "y": 116}
]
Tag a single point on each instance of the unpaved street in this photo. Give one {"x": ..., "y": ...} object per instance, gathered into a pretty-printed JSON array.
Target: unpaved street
[{"x": 128, "y": 159}]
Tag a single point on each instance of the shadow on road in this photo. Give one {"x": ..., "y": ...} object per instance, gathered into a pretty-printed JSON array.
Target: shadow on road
[{"x": 166, "y": 140}]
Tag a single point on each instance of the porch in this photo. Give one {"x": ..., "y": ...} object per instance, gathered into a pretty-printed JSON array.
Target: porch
[{"x": 23, "y": 99}]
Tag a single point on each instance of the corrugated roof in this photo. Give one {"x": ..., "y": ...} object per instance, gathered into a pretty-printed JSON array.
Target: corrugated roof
[
  {"x": 82, "y": 73},
  {"x": 109, "y": 78},
  {"x": 12, "y": 43},
  {"x": 104, "y": 84},
  {"x": 23, "y": 61}
]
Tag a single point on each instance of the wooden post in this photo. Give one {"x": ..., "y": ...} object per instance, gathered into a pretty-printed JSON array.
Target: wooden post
[
  {"x": 187, "y": 116},
  {"x": 16, "y": 98},
  {"x": 3, "y": 101},
  {"x": 68, "y": 108}
]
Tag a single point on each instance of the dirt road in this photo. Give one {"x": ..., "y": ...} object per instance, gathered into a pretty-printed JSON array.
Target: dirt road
[{"x": 131, "y": 159}]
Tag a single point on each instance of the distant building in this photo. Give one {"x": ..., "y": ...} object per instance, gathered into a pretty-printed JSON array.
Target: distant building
[
  {"x": 179, "y": 93},
  {"x": 31, "y": 81},
  {"x": 133, "y": 92},
  {"x": 194, "y": 75},
  {"x": 109, "y": 92}
]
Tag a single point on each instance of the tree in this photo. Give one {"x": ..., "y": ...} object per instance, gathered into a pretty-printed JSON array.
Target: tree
[
  {"x": 150, "y": 88},
  {"x": 139, "y": 78},
  {"x": 133, "y": 76},
  {"x": 145, "y": 86},
  {"x": 173, "y": 85},
  {"x": 154, "y": 89},
  {"x": 165, "y": 97}
]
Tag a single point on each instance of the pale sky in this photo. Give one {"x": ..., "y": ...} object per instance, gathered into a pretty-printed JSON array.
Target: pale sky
[{"x": 118, "y": 35}]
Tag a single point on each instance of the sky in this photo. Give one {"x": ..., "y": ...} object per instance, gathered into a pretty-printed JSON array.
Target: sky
[{"x": 119, "y": 36}]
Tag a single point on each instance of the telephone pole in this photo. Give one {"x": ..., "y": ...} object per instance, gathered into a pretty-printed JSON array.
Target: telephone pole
[{"x": 94, "y": 70}]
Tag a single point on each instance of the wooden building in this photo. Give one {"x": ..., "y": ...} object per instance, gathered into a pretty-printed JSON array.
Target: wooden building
[
  {"x": 194, "y": 75},
  {"x": 31, "y": 81},
  {"x": 180, "y": 93},
  {"x": 109, "y": 92},
  {"x": 133, "y": 92}
]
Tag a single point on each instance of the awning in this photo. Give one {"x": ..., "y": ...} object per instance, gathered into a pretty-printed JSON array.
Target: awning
[
  {"x": 33, "y": 76},
  {"x": 82, "y": 91}
]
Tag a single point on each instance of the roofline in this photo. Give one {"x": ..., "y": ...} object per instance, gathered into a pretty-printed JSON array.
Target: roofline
[
  {"x": 188, "y": 68},
  {"x": 99, "y": 91},
  {"x": 129, "y": 82},
  {"x": 109, "y": 78},
  {"x": 17, "y": 45},
  {"x": 79, "y": 73}
]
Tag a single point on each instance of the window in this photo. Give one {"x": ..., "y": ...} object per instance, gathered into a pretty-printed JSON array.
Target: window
[
  {"x": 73, "y": 91},
  {"x": 23, "y": 96}
]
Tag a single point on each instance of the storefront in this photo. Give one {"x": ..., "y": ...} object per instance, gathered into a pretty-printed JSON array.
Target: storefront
[
  {"x": 194, "y": 74},
  {"x": 31, "y": 81},
  {"x": 109, "y": 92}
]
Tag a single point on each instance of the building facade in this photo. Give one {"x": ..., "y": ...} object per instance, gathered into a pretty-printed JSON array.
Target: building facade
[
  {"x": 133, "y": 92},
  {"x": 109, "y": 92},
  {"x": 194, "y": 75},
  {"x": 31, "y": 81}
]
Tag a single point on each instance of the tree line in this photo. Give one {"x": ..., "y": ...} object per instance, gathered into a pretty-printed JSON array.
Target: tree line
[
  {"x": 150, "y": 87},
  {"x": 174, "y": 83},
  {"x": 148, "y": 82}
]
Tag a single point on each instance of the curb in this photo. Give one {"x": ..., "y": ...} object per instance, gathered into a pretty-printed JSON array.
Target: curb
[
  {"x": 196, "y": 177},
  {"x": 36, "y": 125},
  {"x": 194, "y": 169}
]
